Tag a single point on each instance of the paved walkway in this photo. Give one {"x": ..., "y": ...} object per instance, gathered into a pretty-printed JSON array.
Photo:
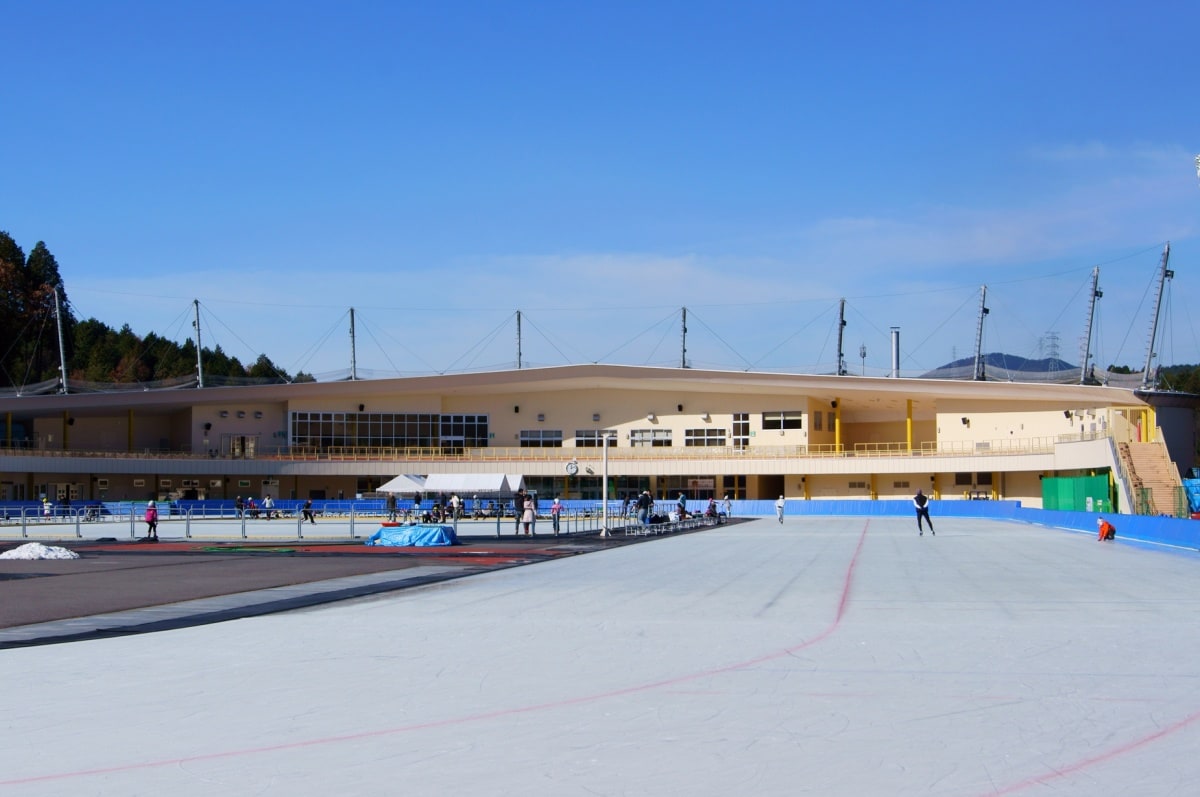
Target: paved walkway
[{"x": 824, "y": 656}]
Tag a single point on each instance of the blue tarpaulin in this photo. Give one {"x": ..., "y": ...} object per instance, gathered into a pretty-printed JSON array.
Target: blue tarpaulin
[{"x": 414, "y": 536}]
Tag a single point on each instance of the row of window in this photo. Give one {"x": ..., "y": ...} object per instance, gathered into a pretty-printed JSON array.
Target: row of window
[
  {"x": 432, "y": 430},
  {"x": 638, "y": 438},
  {"x": 389, "y": 430}
]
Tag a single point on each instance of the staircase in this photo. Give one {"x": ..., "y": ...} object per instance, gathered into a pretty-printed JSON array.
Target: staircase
[{"x": 1154, "y": 480}]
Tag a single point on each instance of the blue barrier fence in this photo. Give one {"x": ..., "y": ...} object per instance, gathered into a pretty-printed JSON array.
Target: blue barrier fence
[{"x": 1177, "y": 532}]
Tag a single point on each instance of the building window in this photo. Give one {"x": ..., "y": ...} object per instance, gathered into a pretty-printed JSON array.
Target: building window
[
  {"x": 541, "y": 438},
  {"x": 741, "y": 430},
  {"x": 645, "y": 438},
  {"x": 590, "y": 438},
  {"x": 323, "y": 430},
  {"x": 962, "y": 480},
  {"x": 816, "y": 421},
  {"x": 704, "y": 437},
  {"x": 783, "y": 419}
]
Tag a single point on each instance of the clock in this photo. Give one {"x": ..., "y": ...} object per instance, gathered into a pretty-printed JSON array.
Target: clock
[{"x": 572, "y": 468}]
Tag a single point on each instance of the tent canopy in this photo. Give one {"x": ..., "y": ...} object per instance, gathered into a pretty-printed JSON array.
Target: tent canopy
[
  {"x": 404, "y": 484},
  {"x": 470, "y": 483}
]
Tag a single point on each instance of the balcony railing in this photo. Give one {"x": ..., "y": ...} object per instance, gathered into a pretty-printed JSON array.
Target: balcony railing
[{"x": 955, "y": 448}]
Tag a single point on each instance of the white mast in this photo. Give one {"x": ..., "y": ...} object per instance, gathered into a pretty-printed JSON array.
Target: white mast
[
  {"x": 62, "y": 350},
  {"x": 683, "y": 349},
  {"x": 199, "y": 363},
  {"x": 1087, "y": 335},
  {"x": 353, "y": 353},
  {"x": 980, "y": 366},
  {"x": 1164, "y": 274},
  {"x": 841, "y": 355}
]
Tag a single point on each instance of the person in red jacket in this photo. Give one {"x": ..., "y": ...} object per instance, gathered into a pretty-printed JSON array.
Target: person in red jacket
[{"x": 1107, "y": 530}]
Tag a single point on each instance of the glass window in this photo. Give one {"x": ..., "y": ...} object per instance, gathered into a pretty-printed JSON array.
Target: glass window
[
  {"x": 645, "y": 438},
  {"x": 389, "y": 430},
  {"x": 783, "y": 419},
  {"x": 704, "y": 437},
  {"x": 541, "y": 438}
]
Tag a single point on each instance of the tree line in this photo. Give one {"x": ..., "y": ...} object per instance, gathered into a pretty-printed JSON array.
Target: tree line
[{"x": 94, "y": 351}]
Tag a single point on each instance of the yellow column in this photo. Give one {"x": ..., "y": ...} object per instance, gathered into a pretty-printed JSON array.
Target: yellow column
[
  {"x": 1151, "y": 423},
  {"x": 874, "y": 494},
  {"x": 837, "y": 425},
  {"x": 908, "y": 423}
]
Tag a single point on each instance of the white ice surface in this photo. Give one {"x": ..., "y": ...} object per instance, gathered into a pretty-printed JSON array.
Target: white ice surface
[{"x": 824, "y": 656}]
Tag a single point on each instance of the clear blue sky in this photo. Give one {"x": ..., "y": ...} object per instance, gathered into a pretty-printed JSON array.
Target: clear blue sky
[{"x": 598, "y": 166}]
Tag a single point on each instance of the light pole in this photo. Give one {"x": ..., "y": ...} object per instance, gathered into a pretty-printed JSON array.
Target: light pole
[{"x": 605, "y": 436}]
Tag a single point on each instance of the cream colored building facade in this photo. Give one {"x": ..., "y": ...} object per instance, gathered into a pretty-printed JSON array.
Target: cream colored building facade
[{"x": 707, "y": 433}]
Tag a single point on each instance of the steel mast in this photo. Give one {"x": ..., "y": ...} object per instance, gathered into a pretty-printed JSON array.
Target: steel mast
[
  {"x": 199, "y": 362},
  {"x": 1087, "y": 335},
  {"x": 980, "y": 366},
  {"x": 1164, "y": 274}
]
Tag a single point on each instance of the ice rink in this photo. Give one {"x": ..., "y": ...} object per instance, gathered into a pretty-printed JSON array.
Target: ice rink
[{"x": 822, "y": 656}]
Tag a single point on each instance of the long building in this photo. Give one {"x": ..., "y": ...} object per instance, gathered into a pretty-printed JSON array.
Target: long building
[{"x": 669, "y": 430}]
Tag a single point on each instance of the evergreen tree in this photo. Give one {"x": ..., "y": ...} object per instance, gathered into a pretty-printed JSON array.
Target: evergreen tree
[
  {"x": 263, "y": 368},
  {"x": 12, "y": 306}
]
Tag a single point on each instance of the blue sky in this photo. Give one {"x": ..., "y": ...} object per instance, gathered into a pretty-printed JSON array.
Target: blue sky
[{"x": 598, "y": 166}]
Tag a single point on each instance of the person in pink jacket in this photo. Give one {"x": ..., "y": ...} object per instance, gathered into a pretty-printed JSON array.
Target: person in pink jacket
[{"x": 151, "y": 522}]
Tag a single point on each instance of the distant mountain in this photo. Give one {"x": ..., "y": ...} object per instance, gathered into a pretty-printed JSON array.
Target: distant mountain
[{"x": 1006, "y": 362}]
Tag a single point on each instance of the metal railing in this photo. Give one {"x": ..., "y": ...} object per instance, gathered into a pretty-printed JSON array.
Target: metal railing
[{"x": 987, "y": 447}]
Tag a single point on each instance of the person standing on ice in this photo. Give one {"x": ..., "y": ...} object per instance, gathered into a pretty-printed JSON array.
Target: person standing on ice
[
  {"x": 921, "y": 502},
  {"x": 151, "y": 522}
]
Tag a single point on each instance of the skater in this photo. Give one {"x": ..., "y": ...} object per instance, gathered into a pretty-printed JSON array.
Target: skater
[
  {"x": 555, "y": 511},
  {"x": 306, "y": 512},
  {"x": 390, "y": 505},
  {"x": 518, "y": 509},
  {"x": 1107, "y": 531},
  {"x": 921, "y": 502},
  {"x": 644, "y": 504},
  {"x": 239, "y": 506},
  {"x": 528, "y": 513},
  {"x": 151, "y": 523},
  {"x": 779, "y": 508},
  {"x": 728, "y": 507},
  {"x": 681, "y": 507}
]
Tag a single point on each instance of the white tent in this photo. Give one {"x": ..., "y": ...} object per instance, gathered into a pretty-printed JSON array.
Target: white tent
[
  {"x": 473, "y": 483},
  {"x": 404, "y": 484}
]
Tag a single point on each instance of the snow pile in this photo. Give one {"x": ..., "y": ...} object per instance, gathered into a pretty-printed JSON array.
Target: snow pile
[{"x": 35, "y": 550}]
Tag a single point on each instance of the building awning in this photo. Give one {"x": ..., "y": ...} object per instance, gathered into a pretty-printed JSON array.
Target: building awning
[
  {"x": 472, "y": 483},
  {"x": 404, "y": 484}
]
